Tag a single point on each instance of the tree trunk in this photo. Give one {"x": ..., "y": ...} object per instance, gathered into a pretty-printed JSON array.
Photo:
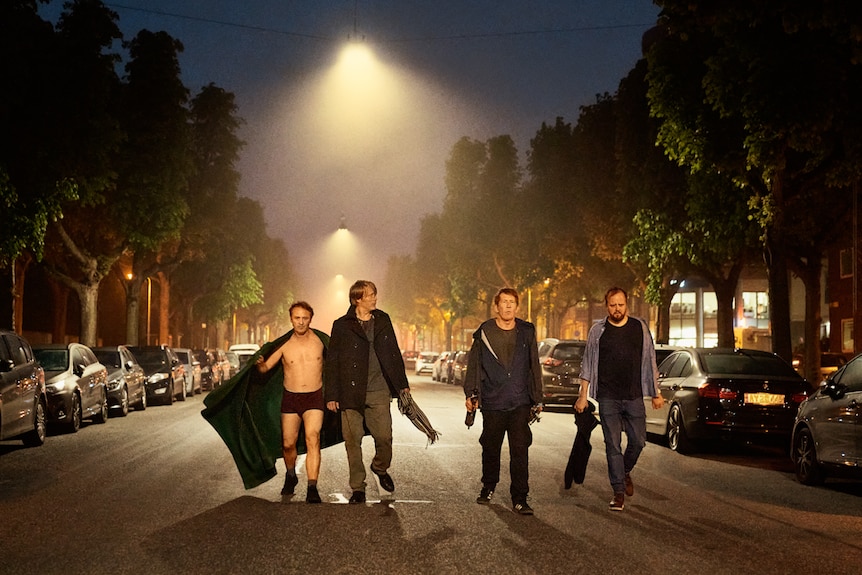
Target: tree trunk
[
  {"x": 810, "y": 275},
  {"x": 88, "y": 294},
  {"x": 60, "y": 294},
  {"x": 779, "y": 300},
  {"x": 133, "y": 306},
  {"x": 164, "y": 309}
]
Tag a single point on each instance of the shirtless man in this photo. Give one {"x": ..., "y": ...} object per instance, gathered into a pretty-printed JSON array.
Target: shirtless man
[{"x": 302, "y": 404}]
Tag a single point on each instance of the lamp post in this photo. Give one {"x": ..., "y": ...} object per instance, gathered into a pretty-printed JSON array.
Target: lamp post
[{"x": 149, "y": 307}]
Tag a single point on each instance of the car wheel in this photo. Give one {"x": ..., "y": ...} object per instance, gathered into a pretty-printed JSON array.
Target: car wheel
[
  {"x": 142, "y": 404},
  {"x": 169, "y": 398},
  {"x": 102, "y": 415},
  {"x": 182, "y": 394},
  {"x": 808, "y": 471},
  {"x": 75, "y": 415},
  {"x": 124, "y": 402},
  {"x": 36, "y": 436},
  {"x": 677, "y": 438}
]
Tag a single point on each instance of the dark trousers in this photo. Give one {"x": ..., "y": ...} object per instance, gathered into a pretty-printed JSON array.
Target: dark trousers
[{"x": 515, "y": 424}]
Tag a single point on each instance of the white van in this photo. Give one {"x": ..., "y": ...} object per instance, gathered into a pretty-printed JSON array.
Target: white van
[{"x": 244, "y": 351}]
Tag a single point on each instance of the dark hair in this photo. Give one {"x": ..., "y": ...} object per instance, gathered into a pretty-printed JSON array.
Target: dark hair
[
  {"x": 303, "y": 305},
  {"x": 508, "y": 291},
  {"x": 615, "y": 291},
  {"x": 357, "y": 290}
]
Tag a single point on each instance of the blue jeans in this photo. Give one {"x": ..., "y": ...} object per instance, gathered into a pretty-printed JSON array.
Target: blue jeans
[{"x": 627, "y": 415}]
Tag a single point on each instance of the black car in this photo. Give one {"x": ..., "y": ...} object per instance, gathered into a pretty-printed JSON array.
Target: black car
[
  {"x": 210, "y": 372},
  {"x": 23, "y": 399},
  {"x": 827, "y": 434},
  {"x": 126, "y": 379},
  {"x": 458, "y": 368},
  {"x": 725, "y": 393},
  {"x": 561, "y": 367},
  {"x": 76, "y": 384},
  {"x": 165, "y": 374}
]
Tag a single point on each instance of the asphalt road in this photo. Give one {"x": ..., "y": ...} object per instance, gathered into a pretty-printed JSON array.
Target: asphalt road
[{"x": 157, "y": 493}]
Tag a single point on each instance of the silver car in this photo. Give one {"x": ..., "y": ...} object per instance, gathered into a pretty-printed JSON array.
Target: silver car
[
  {"x": 76, "y": 384},
  {"x": 827, "y": 434}
]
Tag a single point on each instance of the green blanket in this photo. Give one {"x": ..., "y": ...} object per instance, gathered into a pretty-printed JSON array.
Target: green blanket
[{"x": 246, "y": 413}]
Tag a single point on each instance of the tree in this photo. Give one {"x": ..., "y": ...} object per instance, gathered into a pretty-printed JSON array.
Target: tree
[
  {"x": 768, "y": 93},
  {"x": 154, "y": 167}
]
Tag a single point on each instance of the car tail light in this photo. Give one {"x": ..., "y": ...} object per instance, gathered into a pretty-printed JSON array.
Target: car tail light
[
  {"x": 799, "y": 397},
  {"x": 552, "y": 362},
  {"x": 714, "y": 391}
]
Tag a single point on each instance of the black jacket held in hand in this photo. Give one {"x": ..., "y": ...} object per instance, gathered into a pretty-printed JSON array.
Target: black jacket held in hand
[{"x": 347, "y": 359}]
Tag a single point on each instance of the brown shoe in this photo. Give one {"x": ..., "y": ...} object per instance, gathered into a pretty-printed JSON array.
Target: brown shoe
[
  {"x": 630, "y": 487},
  {"x": 618, "y": 502}
]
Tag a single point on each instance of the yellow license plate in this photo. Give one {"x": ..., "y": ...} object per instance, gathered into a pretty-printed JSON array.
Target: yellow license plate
[{"x": 764, "y": 398}]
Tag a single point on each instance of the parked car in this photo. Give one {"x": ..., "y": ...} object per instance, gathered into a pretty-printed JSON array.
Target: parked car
[
  {"x": 561, "y": 367},
  {"x": 662, "y": 350},
  {"x": 446, "y": 368},
  {"x": 127, "y": 384},
  {"x": 210, "y": 372},
  {"x": 76, "y": 384},
  {"x": 23, "y": 398},
  {"x": 458, "y": 369},
  {"x": 439, "y": 368},
  {"x": 827, "y": 433},
  {"x": 726, "y": 393},
  {"x": 192, "y": 370},
  {"x": 222, "y": 367},
  {"x": 409, "y": 359},
  {"x": 244, "y": 352},
  {"x": 233, "y": 361},
  {"x": 425, "y": 362},
  {"x": 165, "y": 373}
]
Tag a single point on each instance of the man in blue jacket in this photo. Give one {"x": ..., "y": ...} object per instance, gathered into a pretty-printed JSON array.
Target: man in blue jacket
[
  {"x": 364, "y": 371},
  {"x": 504, "y": 379},
  {"x": 619, "y": 370}
]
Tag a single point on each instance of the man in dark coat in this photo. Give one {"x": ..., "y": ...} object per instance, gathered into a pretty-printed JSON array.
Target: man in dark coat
[
  {"x": 504, "y": 379},
  {"x": 364, "y": 372}
]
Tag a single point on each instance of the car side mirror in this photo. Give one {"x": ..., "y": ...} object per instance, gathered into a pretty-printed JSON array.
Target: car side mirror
[
  {"x": 78, "y": 370},
  {"x": 834, "y": 390},
  {"x": 6, "y": 365},
  {"x": 129, "y": 365}
]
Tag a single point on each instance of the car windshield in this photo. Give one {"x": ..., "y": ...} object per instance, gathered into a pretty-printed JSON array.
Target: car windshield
[
  {"x": 183, "y": 356},
  {"x": 108, "y": 358},
  {"x": 565, "y": 352},
  {"x": 52, "y": 359},
  {"x": 742, "y": 364},
  {"x": 151, "y": 359}
]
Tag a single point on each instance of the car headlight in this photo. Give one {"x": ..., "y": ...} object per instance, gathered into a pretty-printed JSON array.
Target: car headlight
[
  {"x": 57, "y": 386},
  {"x": 157, "y": 377}
]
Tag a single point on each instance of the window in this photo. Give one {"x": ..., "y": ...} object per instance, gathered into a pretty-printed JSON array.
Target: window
[
  {"x": 755, "y": 309},
  {"x": 845, "y": 263},
  {"x": 847, "y": 343}
]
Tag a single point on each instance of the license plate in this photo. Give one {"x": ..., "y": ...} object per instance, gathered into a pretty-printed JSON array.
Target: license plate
[{"x": 764, "y": 398}]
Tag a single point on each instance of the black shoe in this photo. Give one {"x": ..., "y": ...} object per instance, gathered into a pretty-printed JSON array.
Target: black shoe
[
  {"x": 289, "y": 483},
  {"x": 357, "y": 497},
  {"x": 485, "y": 495},
  {"x": 630, "y": 486},
  {"x": 311, "y": 495},
  {"x": 385, "y": 480},
  {"x": 522, "y": 508},
  {"x": 618, "y": 502}
]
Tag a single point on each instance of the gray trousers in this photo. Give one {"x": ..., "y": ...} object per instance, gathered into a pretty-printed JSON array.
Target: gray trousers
[{"x": 378, "y": 419}]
